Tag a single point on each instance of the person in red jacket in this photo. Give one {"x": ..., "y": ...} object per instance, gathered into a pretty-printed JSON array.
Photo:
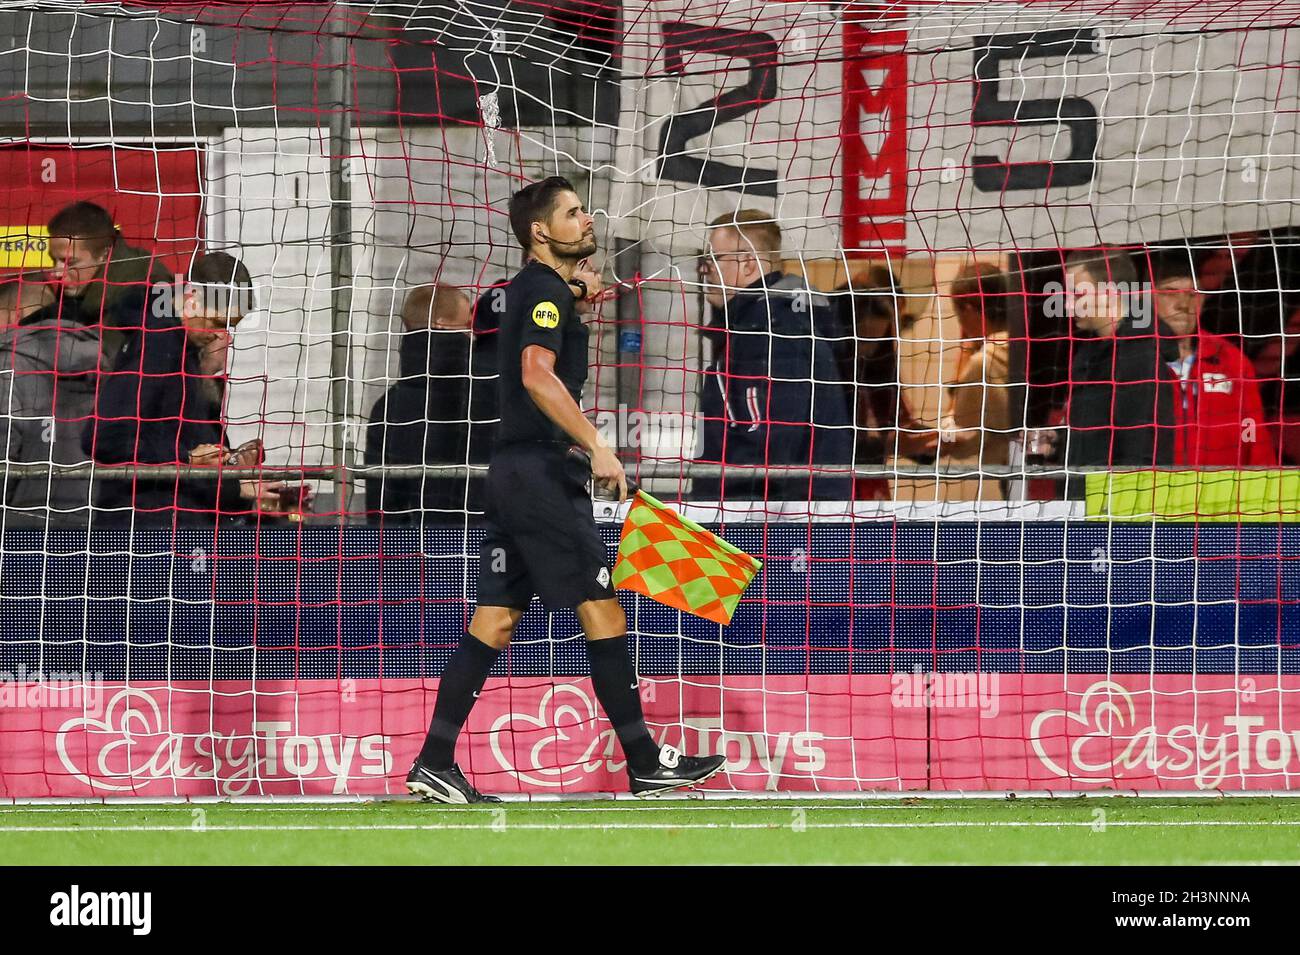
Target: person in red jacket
[{"x": 1218, "y": 413}]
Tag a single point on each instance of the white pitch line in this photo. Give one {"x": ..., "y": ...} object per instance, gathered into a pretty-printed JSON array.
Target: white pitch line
[
  {"x": 712, "y": 795},
  {"x": 651, "y": 806},
  {"x": 549, "y": 827}
]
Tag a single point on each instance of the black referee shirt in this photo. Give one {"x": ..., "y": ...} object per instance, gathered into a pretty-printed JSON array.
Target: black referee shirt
[{"x": 539, "y": 311}]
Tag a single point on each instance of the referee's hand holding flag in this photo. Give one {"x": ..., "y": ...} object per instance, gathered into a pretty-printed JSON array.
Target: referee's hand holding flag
[{"x": 607, "y": 471}]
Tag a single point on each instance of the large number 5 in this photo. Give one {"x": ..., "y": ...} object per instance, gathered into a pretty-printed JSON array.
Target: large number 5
[
  {"x": 1075, "y": 113},
  {"x": 761, "y": 50}
]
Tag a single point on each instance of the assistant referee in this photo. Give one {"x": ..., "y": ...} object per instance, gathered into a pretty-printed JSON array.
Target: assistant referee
[{"x": 540, "y": 535}]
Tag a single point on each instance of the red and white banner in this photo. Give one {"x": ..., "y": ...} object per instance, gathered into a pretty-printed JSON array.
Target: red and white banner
[
  {"x": 153, "y": 192},
  {"x": 875, "y": 90},
  {"x": 823, "y": 733}
]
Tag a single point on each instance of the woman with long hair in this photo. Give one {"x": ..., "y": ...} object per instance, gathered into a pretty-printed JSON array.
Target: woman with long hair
[
  {"x": 885, "y": 426},
  {"x": 976, "y": 429}
]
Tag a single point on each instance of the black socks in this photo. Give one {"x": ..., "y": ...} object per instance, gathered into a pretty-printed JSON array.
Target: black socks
[
  {"x": 466, "y": 672},
  {"x": 612, "y": 675},
  {"x": 614, "y": 678}
]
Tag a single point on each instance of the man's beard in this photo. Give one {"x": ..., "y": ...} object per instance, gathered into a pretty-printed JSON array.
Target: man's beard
[{"x": 574, "y": 251}]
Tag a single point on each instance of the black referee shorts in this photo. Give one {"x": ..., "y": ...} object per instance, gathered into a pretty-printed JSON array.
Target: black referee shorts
[{"x": 540, "y": 536}]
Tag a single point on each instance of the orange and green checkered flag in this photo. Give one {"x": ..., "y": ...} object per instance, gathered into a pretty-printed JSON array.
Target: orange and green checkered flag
[{"x": 680, "y": 564}]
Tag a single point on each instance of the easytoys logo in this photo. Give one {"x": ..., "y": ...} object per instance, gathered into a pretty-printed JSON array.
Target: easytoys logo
[
  {"x": 567, "y": 740},
  {"x": 1106, "y": 739},
  {"x": 131, "y": 744}
]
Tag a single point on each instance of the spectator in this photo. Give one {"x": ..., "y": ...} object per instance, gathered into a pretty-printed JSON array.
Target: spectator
[
  {"x": 162, "y": 404},
  {"x": 22, "y": 297},
  {"x": 484, "y": 411},
  {"x": 105, "y": 278},
  {"x": 1277, "y": 363},
  {"x": 772, "y": 394},
  {"x": 885, "y": 426},
  {"x": 425, "y": 417},
  {"x": 49, "y": 363},
  {"x": 977, "y": 427},
  {"x": 1120, "y": 410},
  {"x": 1218, "y": 415}
]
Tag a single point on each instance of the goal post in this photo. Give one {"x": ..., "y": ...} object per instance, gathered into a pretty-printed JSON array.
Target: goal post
[{"x": 1008, "y": 410}]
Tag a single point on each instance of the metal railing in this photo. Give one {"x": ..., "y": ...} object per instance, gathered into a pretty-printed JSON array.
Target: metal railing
[{"x": 643, "y": 470}]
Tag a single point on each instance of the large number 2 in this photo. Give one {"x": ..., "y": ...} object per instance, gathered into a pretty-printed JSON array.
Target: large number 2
[
  {"x": 761, "y": 50},
  {"x": 1075, "y": 113}
]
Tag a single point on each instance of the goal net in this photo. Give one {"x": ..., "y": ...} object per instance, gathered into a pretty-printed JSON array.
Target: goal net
[{"x": 976, "y": 323}]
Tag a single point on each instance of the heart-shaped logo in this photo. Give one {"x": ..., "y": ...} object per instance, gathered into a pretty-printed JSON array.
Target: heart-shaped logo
[
  {"x": 1106, "y": 709},
  {"x": 561, "y": 740},
  {"x": 129, "y": 742}
]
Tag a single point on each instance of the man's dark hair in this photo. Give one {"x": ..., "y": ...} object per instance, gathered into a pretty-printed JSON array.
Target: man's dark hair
[
  {"x": 1167, "y": 265},
  {"x": 85, "y": 221},
  {"x": 219, "y": 277},
  {"x": 535, "y": 203},
  {"x": 1106, "y": 263}
]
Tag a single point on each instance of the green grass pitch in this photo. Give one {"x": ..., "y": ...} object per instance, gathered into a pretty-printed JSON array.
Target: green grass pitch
[{"x": 1115, "y": 830}]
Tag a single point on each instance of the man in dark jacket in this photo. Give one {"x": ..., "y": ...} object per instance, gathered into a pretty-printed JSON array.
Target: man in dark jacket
[
  {"x": 162, "y": 404},
  {"x": 773, "y": 393},
  {"x": 99, "y": 273},
  {"x": 425, "y": 417},
  {"x": 52, "y": 358},
  {"x": 1120, "y": 410},
  {"x": 484, "y": 401}
]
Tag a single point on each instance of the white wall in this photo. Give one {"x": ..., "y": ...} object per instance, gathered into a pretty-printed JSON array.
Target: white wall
[{"x": 427, "y": 206}]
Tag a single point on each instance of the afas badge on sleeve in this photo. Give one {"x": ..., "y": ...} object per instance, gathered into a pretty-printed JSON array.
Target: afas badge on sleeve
[{"x": 546, "y": 315}]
